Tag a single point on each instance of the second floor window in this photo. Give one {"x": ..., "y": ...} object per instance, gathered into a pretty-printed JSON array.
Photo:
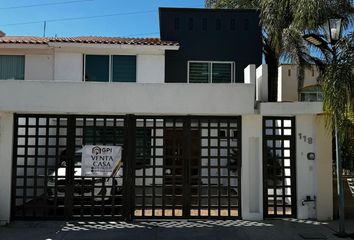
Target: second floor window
[
  {"x": 311, "y": 94},
  {"x": 106, "y": 68},
  {"x": 210, "y": 72},
  {"x": 12, "y": 67}
]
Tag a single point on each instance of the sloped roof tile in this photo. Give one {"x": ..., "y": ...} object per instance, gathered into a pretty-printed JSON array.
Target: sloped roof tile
[{"x": 87, "y": 40}]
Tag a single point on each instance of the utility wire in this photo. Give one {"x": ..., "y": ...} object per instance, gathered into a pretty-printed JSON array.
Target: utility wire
[
  {"x": 79, "y": 18},
  {"x": 44, "y": 4},
  {"x": 141, "y": 34}
]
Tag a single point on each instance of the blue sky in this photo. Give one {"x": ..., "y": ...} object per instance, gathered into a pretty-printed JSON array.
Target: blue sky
[{"x": 133, "y": 18}]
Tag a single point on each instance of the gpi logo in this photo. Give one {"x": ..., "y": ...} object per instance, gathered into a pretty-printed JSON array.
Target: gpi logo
[{"x": 96, "y": 150}]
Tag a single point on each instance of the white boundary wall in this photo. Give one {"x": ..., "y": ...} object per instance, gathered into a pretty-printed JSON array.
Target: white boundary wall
[
  {"x": 314, "y": 178},
  {"x": 6, "y": 141},
  {"x": 305, "y": 169},
  {"x": 125, "y": 98},
  {"x": 251, "y": 175}
]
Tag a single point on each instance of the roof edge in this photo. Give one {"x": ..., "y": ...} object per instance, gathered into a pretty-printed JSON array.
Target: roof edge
[
  {"x": 210, "y": 9},
  {"x": 97, "y": 40}
]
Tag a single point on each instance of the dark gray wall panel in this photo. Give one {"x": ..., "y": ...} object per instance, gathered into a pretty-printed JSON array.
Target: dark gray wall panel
[{"x": 210, "y": 34}]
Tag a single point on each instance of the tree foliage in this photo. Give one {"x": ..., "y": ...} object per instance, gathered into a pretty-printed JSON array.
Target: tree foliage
[
  {"x": 284, "y": 22},
  {"x": 338, "y": 84},
  {"x": 338, "y": 94}
]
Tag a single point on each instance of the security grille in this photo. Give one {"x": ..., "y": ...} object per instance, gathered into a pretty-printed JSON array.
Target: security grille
[
  {"x": 174, "y": 167},
  {"x": 47, "y": 167},
  {"x": 279, "y": 176},
  {"x": 191, "y": 170}
]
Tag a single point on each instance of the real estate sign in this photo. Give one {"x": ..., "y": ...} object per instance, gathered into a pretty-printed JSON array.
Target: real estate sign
[{"x": 101, "y": 161}]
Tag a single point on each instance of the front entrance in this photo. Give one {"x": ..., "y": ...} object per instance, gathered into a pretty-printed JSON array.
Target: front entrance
[
  {"x": 192, "y": 168},
  {"x": 172, "y": 167},
  {"x": 279, "y": 165}
]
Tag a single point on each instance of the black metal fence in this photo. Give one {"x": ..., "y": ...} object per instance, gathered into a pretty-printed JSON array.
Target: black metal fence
[
  {"x": 173, "y": 167},
  {"x": 191, "y": 167},
  {"x": 47, "y": 180}
]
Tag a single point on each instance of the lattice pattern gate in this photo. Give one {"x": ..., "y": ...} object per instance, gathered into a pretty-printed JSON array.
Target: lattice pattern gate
[
  {"x": 279, "y": 167},
  {"x": 173, "y": 167}
]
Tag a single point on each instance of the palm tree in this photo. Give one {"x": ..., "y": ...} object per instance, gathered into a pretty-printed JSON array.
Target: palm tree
[
  {"x": 284, "y": 22},
  {"x": 337, "y": 87},
  {"x": 338, "y": 84},
  {"x": 336, "y": 65}
]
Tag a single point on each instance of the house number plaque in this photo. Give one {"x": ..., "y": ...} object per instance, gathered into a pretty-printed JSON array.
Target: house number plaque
[{"x": 306, "y": 139}]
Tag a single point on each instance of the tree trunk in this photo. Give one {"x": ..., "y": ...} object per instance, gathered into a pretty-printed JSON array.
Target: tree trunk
[{"x": 271, "y": 59}]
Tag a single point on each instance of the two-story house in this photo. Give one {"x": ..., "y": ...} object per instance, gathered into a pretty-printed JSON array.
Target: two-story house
[{"x": 189, "y": 111}]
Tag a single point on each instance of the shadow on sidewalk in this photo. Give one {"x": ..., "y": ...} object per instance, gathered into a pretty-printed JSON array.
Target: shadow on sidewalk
[{"x": 169, "y": 230}]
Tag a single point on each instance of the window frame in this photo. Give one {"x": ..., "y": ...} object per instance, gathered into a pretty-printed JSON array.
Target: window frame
[
  {"x": 232, "y": 63},
  {"x": 311, "y": 89},
  {"x": 110, "y": 67},
  {"x": 24, "y": 65}
]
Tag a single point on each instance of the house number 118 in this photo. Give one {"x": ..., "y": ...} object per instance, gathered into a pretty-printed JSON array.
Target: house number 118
[{"x": 306, "y": 139}]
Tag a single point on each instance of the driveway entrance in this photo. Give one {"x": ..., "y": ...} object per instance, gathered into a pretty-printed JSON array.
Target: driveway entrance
[{"x": 172, "y": 167}]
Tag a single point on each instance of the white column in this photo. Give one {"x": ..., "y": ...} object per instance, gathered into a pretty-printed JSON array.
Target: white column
[
  {"x": 250, "y": 74},
  {"x": 280, "y": 85},
  {"x": 6, "y": 145},
  {"x": 262, "y": 83},
  {"x": 251, "y": 171},
  {"x": 306, "y": 142},
  {"x": 324, "y": 182}
]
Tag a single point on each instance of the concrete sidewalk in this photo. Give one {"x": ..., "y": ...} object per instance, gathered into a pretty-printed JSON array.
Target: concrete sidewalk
[{"x": 170, "y": 230}]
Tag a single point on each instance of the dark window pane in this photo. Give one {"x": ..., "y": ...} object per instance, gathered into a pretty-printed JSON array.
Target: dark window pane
[
  {"x": 320, "y": 97},
  {"x": 124, "y": 68},
  {"x": 199, "y": 72},
  {"x": 312, "y": 97},
  {"x": 12, "y": 67},
  {"x": 311, "y": 94},
  {"x": 103, "y": 135},
  {"x": 143, "y": 147},
  {"x": 97, "y": 68},
  {"x": 222, "y": 73}
]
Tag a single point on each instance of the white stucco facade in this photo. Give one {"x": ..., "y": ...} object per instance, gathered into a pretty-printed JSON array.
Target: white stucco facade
[
  {"x": 65, "y": 62},
  {"x": 150, "y": 68},
  {"x": 39, "y": 67},
  {"x": 54, "y": 85},
  {"x": 124, "y": 98},
  {"x": 6, "y": 136},
  {"x": 288, "y": 81},
  {"x": 305, "y": 168},
  {"x": 68, "y": 66},
  {"x": 252, "y": 175},
  {"x": 323, "y": 167}
]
